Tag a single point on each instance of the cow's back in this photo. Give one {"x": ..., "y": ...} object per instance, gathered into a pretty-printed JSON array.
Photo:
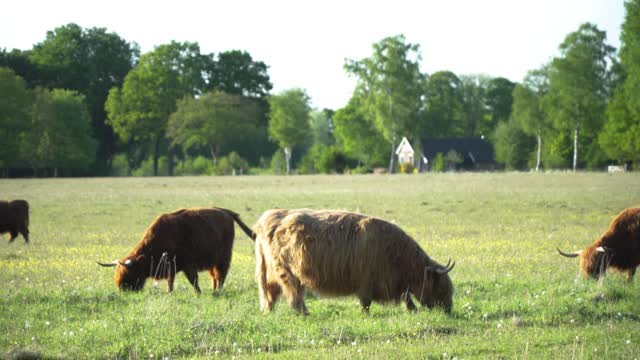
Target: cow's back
[
  {"x": 204, "y": 235},
  {"x": 623, "y": 237},
  {"x": 14, "y": 215},
  {"x": 336, "y": 253}
]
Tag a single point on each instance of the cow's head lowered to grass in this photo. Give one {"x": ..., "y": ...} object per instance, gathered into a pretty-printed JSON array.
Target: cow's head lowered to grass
[
  {"x": 617, "y": 248},
  {"x": 188, "y": 240},
  {"x": 337, "y": 253}
]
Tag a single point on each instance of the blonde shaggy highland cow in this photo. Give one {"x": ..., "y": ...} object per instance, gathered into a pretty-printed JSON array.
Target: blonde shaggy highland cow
[{"x": 337, "y": 253}]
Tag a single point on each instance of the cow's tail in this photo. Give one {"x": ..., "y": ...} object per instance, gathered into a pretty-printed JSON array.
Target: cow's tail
[{"x": 247, "y": 230}]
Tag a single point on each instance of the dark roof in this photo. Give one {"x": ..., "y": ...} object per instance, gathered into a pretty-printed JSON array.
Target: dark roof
[{"x": 478, "y": 149}]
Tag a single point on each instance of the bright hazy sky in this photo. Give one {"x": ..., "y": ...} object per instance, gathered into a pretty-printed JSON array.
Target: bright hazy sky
[{"x": 305, "y": 43}]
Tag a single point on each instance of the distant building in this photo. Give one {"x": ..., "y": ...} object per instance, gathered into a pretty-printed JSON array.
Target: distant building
[
  {"x": 475, "y": 153},
  {"x": 405, "y": 152}
]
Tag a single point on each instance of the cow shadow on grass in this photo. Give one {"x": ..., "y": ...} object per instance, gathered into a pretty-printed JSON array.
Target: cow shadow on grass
[{"x": 26, "y": 354}]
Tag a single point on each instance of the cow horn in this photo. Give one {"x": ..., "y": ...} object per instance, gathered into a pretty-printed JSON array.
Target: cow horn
[
  {"x": 441, "y": 270},
  {"x": 570, "y": 255},
  {"x": 111, "y": 264},
  {"x": 446, "y": 269}
]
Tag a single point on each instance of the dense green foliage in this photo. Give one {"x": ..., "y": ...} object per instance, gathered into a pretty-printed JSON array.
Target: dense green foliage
[
  {"x": 59, "y": 135},
  {"x": 89, "y": 61},
  {"x": 390, "y": 84},
  {"x": 528, "y": 111},
  {"x": 512, "y": 145},
  {"x": 515, "y": 296},
  {"x": 15, "y": 101},
  {"x": 289, "y": 120},
  {"x": 581, "y": 108},
  {"x": 579, "y": 88},
  {"x": 212, "y": 120},
  {"x": 620, "y": 138}
]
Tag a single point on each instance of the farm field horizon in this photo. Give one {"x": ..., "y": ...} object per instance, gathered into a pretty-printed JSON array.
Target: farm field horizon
[{"x": 515, "y": 297}]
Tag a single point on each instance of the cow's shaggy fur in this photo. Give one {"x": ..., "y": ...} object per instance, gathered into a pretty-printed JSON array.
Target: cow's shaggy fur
[
  {"x": 188, "y": 240},
  {"x": 618, "y": 247},
  {"x": 336, "y": 253},
  {"x": 14, "y": 218}
]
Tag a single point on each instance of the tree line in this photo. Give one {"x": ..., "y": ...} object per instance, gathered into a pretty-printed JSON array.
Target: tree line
[{"x": 85, "y": 102}]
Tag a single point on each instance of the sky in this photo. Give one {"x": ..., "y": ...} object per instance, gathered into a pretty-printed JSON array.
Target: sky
[{"x": 305, "y": 43}]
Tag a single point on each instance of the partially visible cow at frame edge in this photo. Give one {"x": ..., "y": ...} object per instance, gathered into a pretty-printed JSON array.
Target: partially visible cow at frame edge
[
  {"x": 336, "y": 253},
  {"x": 14, "y": 218},
  {"x": 618, "y": 247},
  {"x": 188, "y": 240}
]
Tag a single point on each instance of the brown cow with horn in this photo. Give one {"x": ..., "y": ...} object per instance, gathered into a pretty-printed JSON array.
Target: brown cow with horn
[
  {"x": 337, "y": 253},
  {"x": 14, "y": 218},
  {"x": 618, "y": 247},
  {"x": 188, "y": 240}
]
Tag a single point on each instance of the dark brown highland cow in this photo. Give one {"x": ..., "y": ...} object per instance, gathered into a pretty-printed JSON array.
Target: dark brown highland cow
[
  {"x": 188, "y": 240},
  {"x": 336, "y": 253},
  {"x": 14, "y": 218},
  {"x": 618, "y": 247}
]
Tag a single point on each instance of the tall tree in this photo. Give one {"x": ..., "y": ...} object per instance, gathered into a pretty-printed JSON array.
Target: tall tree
[
  {"x": 235, "y": 72},
  {"x": 357, "y": 136},
  {"x": 15, "y": 106},
  {"x": 211, "y": 120},
  {"x": 60, "y": 132},
  {"x": 289, "y": 120},
  {"x": 90, "y": 61},
  {"x": 620, "y": 138},
  {"x": 527, "y": 107},
  {"x": 579, "y": 85},
  {"x": 392, "y": 83},
  {"x": 321, "y": 127},
  {"x": 141, "y": 109},
  {"x": 499, "y": 100},
  {"x": 474, "y": 88},
  {"x": 511, "y": 144},
  {"x": 443, "y": 106},
  {"x": 20, "y": 62}
]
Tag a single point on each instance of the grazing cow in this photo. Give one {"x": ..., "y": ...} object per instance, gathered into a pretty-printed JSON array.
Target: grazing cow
[
  {"x": 618, "y": 247},
  {"x": 14, "y": 218},
  {"x": 336, "y": 253},
  {"x": 188, "y": 240}
]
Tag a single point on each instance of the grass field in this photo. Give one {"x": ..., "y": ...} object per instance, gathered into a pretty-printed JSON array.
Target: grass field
[{"x": 515, "y": 296}]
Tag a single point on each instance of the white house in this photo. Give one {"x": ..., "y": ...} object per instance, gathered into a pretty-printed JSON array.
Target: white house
[{"x": 405, "y": 152}]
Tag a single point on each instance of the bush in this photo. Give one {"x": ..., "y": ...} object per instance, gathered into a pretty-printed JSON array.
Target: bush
[
  {"x": 438, "y": 163},
  {"x": 278, "y": 163},
  {"x": 332, "y": 160},
  {"x": 194, "y": 166},
  {"x": 233, "y": 164},
  {"x": 146, "y": 167},
  {"x": 119, "y": 165},
  {"x": 453, "y": 159},
  {"x": 309, "y": 162},
  {"x": 407, "y": 168}
]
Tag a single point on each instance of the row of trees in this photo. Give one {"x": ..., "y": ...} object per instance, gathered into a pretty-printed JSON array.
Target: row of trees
[
  {"x": 177, "y": 110},
  {"x": 43, "y": 129},
  {"x": 583, "y": 103},
  {"x": 129, "y": 99}
]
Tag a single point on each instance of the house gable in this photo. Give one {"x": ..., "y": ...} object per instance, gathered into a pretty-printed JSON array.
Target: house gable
[{"x": 405, "y": 152}]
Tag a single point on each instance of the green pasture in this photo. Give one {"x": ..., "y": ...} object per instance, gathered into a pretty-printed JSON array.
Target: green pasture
[{"x": 515, "y": 296}]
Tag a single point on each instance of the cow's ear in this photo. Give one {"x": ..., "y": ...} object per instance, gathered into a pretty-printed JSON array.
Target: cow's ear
[{"x": 127, "y": 263}]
